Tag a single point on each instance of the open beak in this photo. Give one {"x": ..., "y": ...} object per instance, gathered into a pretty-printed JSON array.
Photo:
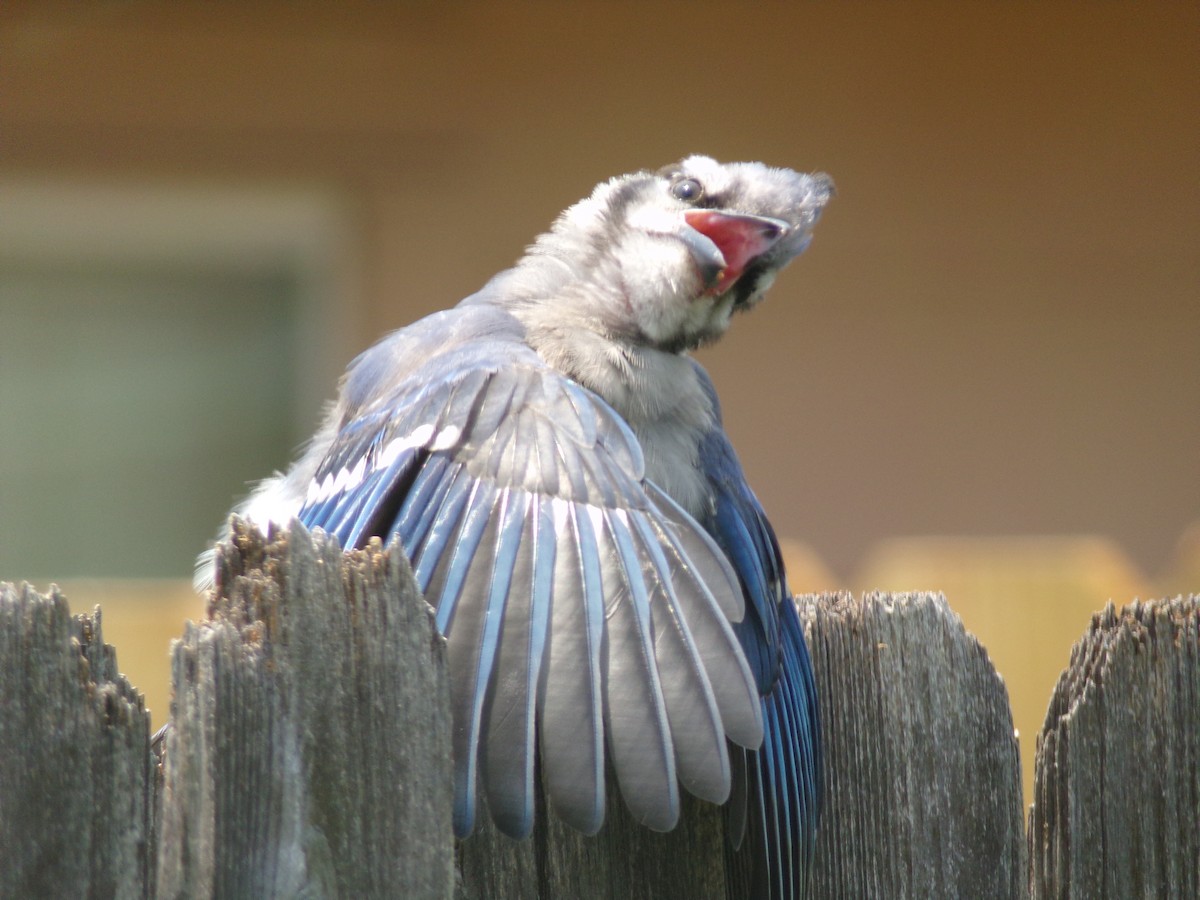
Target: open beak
[{"x": 738, "y": 239}]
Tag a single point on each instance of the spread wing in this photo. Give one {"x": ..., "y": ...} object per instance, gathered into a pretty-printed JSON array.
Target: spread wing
[{"x": 579, "y": 603}]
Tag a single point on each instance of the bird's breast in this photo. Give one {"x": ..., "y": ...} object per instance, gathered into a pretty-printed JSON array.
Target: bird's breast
[{"x": 662, "y": 399}]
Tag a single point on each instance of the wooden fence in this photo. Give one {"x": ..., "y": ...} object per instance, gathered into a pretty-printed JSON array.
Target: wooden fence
[{"x": 310, "y": 743}]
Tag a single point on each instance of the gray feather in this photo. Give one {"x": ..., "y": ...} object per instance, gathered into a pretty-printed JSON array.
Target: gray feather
[{"x": 570, "y": 701}]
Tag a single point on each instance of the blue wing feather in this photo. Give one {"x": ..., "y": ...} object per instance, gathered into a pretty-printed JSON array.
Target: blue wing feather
[
  {"x": 698, "y": 734},
  {"x": 565, "y": 583},
  {"x": 464, "y": 651},
  {"x": 423, "y": 501},
  {"x": 790, "y": 764},
  {"x": 509, "y": 760},
  {"x": 784, "y": 776},
  {"x": 503, "y": 564},
  {"x": 635, "y": 709},
  {"x": 691, "y": 601},
  {"x": 543, "y": 585},
  {"x": 480, "y": 507},
  {"x": 505, "y": 561},
  {"x": 570, "y": 701},
  {"x": 759, "y": 629},
  {"x": 429, "y": 546}
]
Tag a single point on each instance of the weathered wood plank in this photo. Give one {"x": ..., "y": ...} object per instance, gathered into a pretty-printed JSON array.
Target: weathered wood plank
[
  {"x": 1116, "y": 810},
  {"x": 922, "y": 777},
  {"x": 310, "y": 742},
  {"x": 75, "y": 773},
  {"x": 310, "y": 754}
]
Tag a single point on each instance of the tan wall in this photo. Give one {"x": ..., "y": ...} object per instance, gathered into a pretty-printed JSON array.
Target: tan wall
[{"x": 995, "y": 331}]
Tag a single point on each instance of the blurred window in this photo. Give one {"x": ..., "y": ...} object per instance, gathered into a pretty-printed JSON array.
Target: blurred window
[
  {"x": 136, "y": 403},
  {"x": 152, "y": 364}
]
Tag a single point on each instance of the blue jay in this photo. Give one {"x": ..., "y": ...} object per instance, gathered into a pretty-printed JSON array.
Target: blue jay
[{"x": 553, "y": 463}]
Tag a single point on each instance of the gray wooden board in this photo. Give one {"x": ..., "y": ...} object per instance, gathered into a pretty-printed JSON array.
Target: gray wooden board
[
  {"x": 922, "y": 777},
  {"x": 75, "y": 767},
  {"x": 309, "y": 751},
  {"x": 1116, "y": 810}
]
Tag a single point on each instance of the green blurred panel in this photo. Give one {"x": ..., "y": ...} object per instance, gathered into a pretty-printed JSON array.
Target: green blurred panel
[{"x": 136, "y": 405}]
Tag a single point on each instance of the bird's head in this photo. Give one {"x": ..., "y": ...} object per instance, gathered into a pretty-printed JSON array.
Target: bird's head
[{"x": 676, "y": 252}]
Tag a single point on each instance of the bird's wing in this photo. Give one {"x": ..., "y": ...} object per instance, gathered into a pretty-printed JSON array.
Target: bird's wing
[
  {"x": 578, "y": 602},
  {"x": 783, "y": 778}
]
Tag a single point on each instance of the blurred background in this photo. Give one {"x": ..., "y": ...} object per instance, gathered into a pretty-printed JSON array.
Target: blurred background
[{"x": 982, "y": 378}]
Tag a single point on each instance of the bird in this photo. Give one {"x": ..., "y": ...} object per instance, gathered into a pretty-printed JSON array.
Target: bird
[{"x": 551, "y": 458}]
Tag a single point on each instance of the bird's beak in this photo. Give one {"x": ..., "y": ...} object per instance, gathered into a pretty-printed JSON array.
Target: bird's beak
[{"x": 739, "y": 239}]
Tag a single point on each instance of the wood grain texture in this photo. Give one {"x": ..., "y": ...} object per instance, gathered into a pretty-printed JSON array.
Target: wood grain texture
[
  {"x": 1117, "y": 783},
  {"x": 922, "y": 778},
  {"x": 75, "y": 771},
  {"x": 309, "y": 753},
  {"x": 310, "y": 756}
]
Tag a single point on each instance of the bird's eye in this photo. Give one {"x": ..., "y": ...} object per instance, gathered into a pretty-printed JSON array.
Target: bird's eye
[{"x": 689, "y": 190}]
